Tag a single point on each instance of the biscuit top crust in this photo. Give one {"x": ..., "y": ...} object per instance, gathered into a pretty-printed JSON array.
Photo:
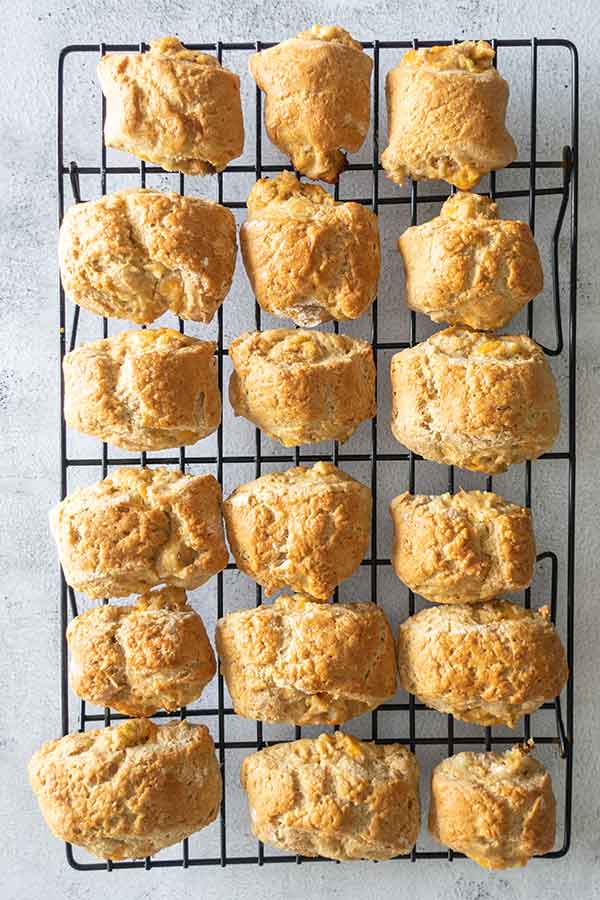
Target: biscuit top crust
[
  {"x": 291, "y": 347},
  {"x": 174, "y": 49},
  {"x": 138, "y": 736},
  {"x": 352, "y": 761},
  {"x": 456, "y": 619},
  {"x": 474, "y": 57},
  {"x": 286, "y": 197},
  {"x": 474, "y": 502},
  {"x": 141, "y": 340},
  {"x": 465, "y": 205},
  {"x": 462, "y": 344},
  {"x": 331, "y": 34},
  {"x": 298, "y": 483},
  {"x": 300, "y": 480},
  {"x": 344, "y": 749},
  {"x": 166, "y": 598},
  {"x": 492, "y": 769}
]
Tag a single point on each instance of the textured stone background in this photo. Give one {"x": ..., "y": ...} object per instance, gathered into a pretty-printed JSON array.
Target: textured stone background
[{"x": 33, "y": 864}]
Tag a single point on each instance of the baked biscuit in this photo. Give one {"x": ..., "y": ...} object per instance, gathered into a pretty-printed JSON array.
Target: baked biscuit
[
  {"x": 139, "y": 253},
  {"x": 128, "y": 791},
  {"x": 300, "y": 386},
  {"x": 304, "y": 529},
  {"x": 446, "y": 116},
  {"x": 143, "y": 390},
  {"x": 309, "y": 258},
  {"x": 462, "y": 548},
  {"x": 497, "y": 808},
  {"x": 317, "y": 98},
  {"x": 470, "y": 399},
  {"x": 139, "y": 528},
  {"x": 469, "y": 267},
  {"x": 335, "y": 797},
  {"x": 177, "y": 108},
  {"x": 139, "y": 659},
  {"x": 488, "y": 663},
  {"x": 307, "y": 663}
]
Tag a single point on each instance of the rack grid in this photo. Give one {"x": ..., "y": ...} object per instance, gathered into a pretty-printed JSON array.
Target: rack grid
[{"x": 566, "y": 167}]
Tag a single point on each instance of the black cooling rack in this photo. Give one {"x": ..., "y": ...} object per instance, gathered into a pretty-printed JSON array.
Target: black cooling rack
[{"x": 565, "y": 166}]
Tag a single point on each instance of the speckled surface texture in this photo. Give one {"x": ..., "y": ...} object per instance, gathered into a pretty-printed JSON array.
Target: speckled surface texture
[{"x": 33, "y": 864}]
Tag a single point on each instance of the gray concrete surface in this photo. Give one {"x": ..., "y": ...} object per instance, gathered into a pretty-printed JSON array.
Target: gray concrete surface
[{"x": 32, "y": 863}]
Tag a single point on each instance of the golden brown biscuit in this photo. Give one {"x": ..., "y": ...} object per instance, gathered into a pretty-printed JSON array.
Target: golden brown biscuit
[
  {"x": 335, "y": 797},
  {"x": 475, "y": 400},
  {"x": 139, "y": 528},
  {"x": 488, "y": 663},
  {"x": 497, "y": 808},
  {"x": 300, "y": 386},
  {"x": 177, "y": 108},
  {"x": 304, "y": 529},
  {"x": 446, "y": 116},
  {"x": 130, "y": 790},
  {"x": 318, "y": 98},
  {"x": 137, "y": 253},
  {"x": 309, "y": 258},
  {"x": 468, "y": 267},
  {"x": 139, "y": 659},
  {"x": 307, "y": 663},
  {"x": 143, "y": 390},
  {"x": 462, "y": 548}
]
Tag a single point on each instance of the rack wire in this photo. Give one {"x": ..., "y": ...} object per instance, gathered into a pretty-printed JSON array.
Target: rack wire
[{"x": 566, "y": 169}]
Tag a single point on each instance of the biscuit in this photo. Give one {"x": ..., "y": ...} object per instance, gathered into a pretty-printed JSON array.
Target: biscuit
[
  {"x": 469, "y": 267},
  {"x": 307, "y": 663},
  {"x": 139, "y": 659},
  {"x": 487, "y": 663},
  {"x": 128, "y": 791},
  {"x": 446, "y": 116},
  {"x": 335, "y": 797},
  {"x": 475, "y": 400},
  {"x": 309, "y": 258},
  {"x": 497, "y": 808},
  {"x": 139, "y": 253},
  {"x": 462, "y": 548},
  {"x": 143, "y": 389},
  {"x": 177, "y": 108},
  {"x": 306, "y": 528},
  {"x": 139, "y": 528},
  {"x": 317, "y": 98},
  {"x": 301, "y": 387}
]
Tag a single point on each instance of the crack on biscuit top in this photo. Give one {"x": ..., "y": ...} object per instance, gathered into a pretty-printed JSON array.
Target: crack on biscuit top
[
  {"x": 475, "y": 57},
  {"x": 172, "y": 48},
  {"x": 286, "y": 196},
  {"x": 331, "y": 34},
  {"x": 466, "y": 205}
]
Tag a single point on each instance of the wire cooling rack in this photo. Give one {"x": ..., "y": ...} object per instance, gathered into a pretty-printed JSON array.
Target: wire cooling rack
[{"x": 564, "y": 166}]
